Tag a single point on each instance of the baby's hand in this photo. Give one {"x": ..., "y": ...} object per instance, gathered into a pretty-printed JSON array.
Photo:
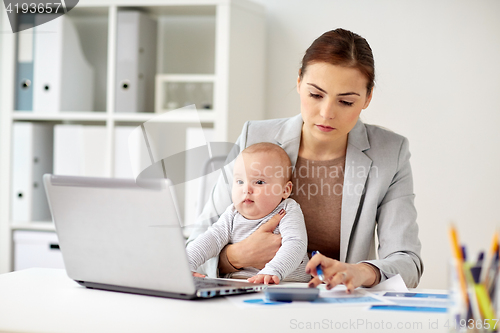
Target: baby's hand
[
  {"x": 198, "y": 275},
  {"x": 264, "y": 278}
]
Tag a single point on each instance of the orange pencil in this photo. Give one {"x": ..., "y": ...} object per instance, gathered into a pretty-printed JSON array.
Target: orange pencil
[
  {"x": 457, "y": 253},
  {"x": 491, "y": 260}
]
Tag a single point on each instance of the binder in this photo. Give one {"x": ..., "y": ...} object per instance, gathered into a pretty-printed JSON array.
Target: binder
[
  {"x": 79, "y": 150},
  {"x": 196, "y": 137},
  {"x": 63, "y": 79},
  {"x": 32, "y": 158},
  {"x": 135, "y": 62},
  {"x": 124, "y": 164},
  {"x": 24, "y": 66}
]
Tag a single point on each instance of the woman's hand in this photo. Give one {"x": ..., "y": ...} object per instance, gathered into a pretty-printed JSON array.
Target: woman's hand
[
  {"x": 336, "y": 272},
  {"x": 259, "y": 248}
]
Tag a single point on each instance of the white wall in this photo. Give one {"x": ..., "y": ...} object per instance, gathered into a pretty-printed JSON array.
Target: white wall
[{"x": 438, "y": 83}]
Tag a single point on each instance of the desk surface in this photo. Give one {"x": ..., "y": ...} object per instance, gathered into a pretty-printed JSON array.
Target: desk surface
[{"x": 46, "y": 300}]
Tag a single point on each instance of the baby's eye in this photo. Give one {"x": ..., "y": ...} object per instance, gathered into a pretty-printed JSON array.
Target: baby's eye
[
  {"x": 316, "y": 96},
  {"x": 239, "y": 182},
  {"x": 260, "y": 182}
]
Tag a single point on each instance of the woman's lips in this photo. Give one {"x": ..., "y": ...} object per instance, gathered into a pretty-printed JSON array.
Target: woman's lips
[{"x": 324, "y": 128}]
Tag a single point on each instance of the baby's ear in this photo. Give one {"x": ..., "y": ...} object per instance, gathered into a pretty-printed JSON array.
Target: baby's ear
[{"x": 287, "y": 189}]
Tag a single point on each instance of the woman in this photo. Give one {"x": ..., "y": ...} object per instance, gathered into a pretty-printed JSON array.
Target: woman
[{"x": 373, "y": 173}]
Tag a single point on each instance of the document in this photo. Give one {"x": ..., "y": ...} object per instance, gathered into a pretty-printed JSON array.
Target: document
[
  {"x": 395, "y": 283},
  {"x": 418, "y": 299},
  {"x": 336, "y": 297}
]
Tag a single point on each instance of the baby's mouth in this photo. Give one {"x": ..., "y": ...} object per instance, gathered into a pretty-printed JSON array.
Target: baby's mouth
[{"x": 247, "y": 201}]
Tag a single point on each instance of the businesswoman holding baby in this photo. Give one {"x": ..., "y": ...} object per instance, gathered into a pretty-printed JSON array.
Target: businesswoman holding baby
[{"x": 351, "y": 179}]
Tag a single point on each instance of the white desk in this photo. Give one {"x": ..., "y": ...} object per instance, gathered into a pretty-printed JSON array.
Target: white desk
[{"x": 46, "y": 300}]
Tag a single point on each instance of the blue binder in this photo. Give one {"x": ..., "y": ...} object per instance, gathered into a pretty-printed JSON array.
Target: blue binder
[{"x": 24, "y": 66}]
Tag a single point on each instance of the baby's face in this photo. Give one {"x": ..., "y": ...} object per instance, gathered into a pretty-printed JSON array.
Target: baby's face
[{"x": 259, "y": 184}]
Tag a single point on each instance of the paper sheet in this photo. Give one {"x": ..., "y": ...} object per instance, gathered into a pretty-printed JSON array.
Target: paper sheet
[
  {"x": 332, "y": 298},
  {"x": 415, "y": 299},
  {"x": 338, "y": 296},
  {"x": 395, "y": 283}
]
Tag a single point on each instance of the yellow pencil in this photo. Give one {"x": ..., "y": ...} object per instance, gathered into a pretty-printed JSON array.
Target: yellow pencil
[{"x": 485, "y": 305}]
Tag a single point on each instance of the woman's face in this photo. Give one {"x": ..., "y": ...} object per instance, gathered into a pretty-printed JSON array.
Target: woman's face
[{"x": 331, "y": 99}]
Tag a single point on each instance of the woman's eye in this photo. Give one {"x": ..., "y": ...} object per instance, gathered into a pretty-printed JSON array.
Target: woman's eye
[
  {"x": 316, "y": 96},
  {"x": 260, "y": 182},
  {"x": 346, "y": 103}
]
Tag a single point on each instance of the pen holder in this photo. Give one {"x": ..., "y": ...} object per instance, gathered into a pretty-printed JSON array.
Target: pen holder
[
  {"x": 457, "y": 311},
  {"x": 468, "y": 311}
]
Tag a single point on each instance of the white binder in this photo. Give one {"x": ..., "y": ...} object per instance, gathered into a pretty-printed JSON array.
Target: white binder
[
  {"x": 123, "y": 162},
  {"x": 79, "y": 150},
  {"x": 32, "y": 158},
  {"x": 63, "y": 79},
  {"x": 195, "y": 137},
  {"x": 135, "y": 62}
]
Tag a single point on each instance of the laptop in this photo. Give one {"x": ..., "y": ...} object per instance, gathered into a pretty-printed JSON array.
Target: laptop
[{"x": 115, "y": 235}]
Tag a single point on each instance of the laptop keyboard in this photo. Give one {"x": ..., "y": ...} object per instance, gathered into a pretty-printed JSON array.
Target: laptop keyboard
[
  {"x": 202, "y": 283},
  {"x": 214, "y": 287}
]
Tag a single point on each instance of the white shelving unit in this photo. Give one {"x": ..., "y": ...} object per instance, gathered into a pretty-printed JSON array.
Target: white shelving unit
[{"x": 220, "y": 39}]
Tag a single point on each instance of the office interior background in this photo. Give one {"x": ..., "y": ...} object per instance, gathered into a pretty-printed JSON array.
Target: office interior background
[{"x": 437, "y": 83}]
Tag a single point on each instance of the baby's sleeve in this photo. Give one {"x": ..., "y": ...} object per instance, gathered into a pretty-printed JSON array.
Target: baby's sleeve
[
  {"x": 293, "y": 244},
  {"x": 211, "y": 242}
]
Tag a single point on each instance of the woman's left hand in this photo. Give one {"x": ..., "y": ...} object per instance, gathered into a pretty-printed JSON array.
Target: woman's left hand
[{"x": 336, "y": 272}]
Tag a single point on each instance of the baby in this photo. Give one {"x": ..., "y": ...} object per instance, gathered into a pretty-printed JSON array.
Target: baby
[{"x": 261, "y": 187}]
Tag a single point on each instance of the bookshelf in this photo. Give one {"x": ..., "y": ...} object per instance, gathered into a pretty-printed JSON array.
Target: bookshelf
[{"x": 219, "y": 41}]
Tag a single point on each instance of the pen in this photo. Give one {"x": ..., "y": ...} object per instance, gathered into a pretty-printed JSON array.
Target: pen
[
  {"x": 319, "y": 270},
  {"x": 476, "y": 269}
]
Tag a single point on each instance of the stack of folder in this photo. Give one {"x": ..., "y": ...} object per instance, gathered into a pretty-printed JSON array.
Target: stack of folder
[
  {"x": 52, "y": 73},
  {"x": 52, "y": 76},
  {"x": 474, "y": 287}
]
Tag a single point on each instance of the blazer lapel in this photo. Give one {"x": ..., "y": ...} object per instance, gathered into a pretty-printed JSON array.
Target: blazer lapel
[
  {"x": 357, "y": 167},
  {"x": 288, "y": 137}
]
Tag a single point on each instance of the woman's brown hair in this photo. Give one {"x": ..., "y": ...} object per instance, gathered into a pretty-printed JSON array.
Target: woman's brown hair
[{"x": 344, "y": 48}]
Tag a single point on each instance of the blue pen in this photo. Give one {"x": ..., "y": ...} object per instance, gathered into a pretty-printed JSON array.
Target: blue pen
[{"x": 319, "y": 270}]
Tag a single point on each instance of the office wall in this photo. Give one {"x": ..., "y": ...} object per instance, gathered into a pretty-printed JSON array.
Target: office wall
[{"x": 438, "y": 83}]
